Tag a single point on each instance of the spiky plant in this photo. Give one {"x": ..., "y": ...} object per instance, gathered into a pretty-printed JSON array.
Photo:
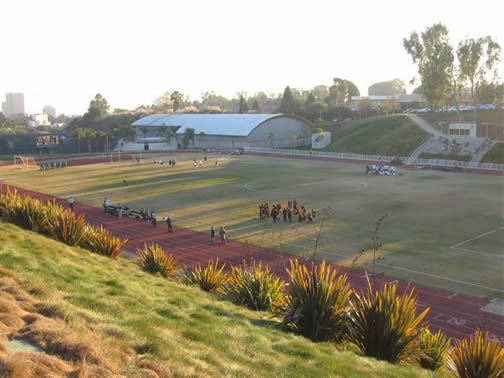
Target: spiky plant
[
  {"x": 255, "y": 287},
  {"x": 477, "y": 357},
  {"x": 433, "y": 350},
  {"x": 25, "y": 212},
  {"x": 53, "y": 210},
  {"x": 100, "y": 240},
  {"x": 68, "y": 228},
  {"x": 210, "y": 278},
  {"x": 316, "y": 302},
  {"x": 154, "y": 259},
  {"x": 384, "y": 325}
]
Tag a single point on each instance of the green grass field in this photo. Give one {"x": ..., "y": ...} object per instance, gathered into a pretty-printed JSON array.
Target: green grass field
[
  {"x": 427, "y": 212},
  {"x": 395, "y": 135},
  {"x": 101, "y": 313},
  {"x": 495, "y": 155}
]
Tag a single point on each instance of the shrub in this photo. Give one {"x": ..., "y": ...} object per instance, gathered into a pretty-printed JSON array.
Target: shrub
[
  {"x": 477, "y": 357},
  {"x": 99, "y": 240},
  {"x": 185, "y": 277},
  {"x": 68, "y": 228},
  {"x": 53, "y": 210},
  {"x": 433, "y": 350},
  {"x": 315, "y": 305},
  {"x": 255, "y": 287},
  {"x": 154, "y": 259},
  {"x": 210, "y": 278},
  {"x": 25, "y": 212},
  {"x": 384, "y": 325}
]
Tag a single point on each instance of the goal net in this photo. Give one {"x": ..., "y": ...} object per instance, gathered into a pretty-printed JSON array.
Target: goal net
[{"x": 25, "y": 162}]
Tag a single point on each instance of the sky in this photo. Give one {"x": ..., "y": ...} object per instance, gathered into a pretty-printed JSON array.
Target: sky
[{"x": 61, "y": 52}]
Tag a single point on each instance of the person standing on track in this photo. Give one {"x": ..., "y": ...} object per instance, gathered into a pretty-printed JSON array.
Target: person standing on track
[
  {"x": 169, "y": 224},
  {"x": 222, "y": 234},
  {"x": 71, "y": 203},
  {"x": 212, "y": 236}
]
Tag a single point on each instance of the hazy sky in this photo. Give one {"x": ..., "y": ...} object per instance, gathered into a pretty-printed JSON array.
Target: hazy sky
[{"x": 63, "y": 52}]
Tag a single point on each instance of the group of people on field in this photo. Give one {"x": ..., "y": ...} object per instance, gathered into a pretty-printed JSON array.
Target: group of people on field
[
  {"x": 171, "y": 163},
  {"x": 287, "y": 213},
  {"x": 385, "y": 170}
]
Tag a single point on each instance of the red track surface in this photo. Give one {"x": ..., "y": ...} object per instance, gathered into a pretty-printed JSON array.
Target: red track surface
[{"x": 456, "y": 314}]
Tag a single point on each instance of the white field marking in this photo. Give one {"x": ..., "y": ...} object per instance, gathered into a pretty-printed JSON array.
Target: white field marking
[
  {"x": 477, "y": 237},
  {"x": 377, "y": 263},
  {"x": 479, "y": 252},
  {"x": 452, "y": 296},
  {"x": 440, "y": 277},
  {"x": 363, "y": 185},
  {"x": 456, "y": 321}
]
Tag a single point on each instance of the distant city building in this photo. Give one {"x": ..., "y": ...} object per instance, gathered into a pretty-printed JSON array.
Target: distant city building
[
  {"x": 39, "y": 120},
  {"x": 49, "y": 110},
  {"x": 13, "y": 105}
]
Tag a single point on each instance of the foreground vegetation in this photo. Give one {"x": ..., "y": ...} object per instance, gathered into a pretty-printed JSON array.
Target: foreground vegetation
[
  {"x": 113, "y": 315},
  {"x": 391, "y": 136}
]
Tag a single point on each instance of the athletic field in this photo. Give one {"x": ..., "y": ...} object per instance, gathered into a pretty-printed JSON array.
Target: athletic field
[{"x": 441, "y": 229}]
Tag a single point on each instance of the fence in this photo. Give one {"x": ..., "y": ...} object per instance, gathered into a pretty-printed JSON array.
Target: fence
[{"x": 380, "y": 158}]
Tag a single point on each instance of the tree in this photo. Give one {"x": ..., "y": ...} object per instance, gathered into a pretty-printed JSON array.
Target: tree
[
  {"x": 89, "y": 135},
  {"x": 3, "y": 120},
  {"x": 79, "y": 134},
  {"x": 288, "y": 104},
  {"x": 99, "y": 106},
  {"x": 365, "y": 107},
  {"x": 477, "y": 58},
  {"x": 176, "y": 98},
  {"x": 188, "y": 137},
  {"x": 320, "y": 92},
  {"x": 433, "y": 55},
  {"x": 255, "y": 106},
  {"x": 243, "y": 105},
  {"x": 341, "y": 92},
  {"x": 166, "y": 133},
  {"x": 309, "y": 102},
  {"x": 387, "y": 88},
  {"x": 390, "y": 106}
]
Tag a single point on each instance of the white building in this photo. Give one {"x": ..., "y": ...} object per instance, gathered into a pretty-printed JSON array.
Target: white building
[
  {"x": 39, "y": 120},
  {"x": 405, "y": 100},
  {"x": 463, "y": 128},
  {"x": 13, "y": 105},
  {"x": 227, "y": 131}
]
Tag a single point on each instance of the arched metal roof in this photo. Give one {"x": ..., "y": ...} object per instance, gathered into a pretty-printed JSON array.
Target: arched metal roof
[{"x": 210, "y": 124}]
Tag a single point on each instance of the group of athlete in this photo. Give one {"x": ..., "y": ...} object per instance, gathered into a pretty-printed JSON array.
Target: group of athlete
[{"x": 292, "y": 210}]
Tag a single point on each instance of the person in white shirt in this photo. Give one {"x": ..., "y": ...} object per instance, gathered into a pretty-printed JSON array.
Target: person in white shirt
[{"x": 71, "y": 203}]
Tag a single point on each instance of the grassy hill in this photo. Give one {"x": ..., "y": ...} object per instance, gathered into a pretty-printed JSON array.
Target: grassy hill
[
  {"x": 104, "y": 317},
  {"x": 393, "y": 136},
  {"x": 495, "y": 155}
]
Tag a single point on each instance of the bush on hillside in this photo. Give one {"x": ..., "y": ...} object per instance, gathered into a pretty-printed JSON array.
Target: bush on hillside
[
  {"x": 384, "y": 325},
  {"x": 315, "y": 305},
  {"x": 154, "y": 259},
  {"x": 68, "y": 228},
  {"x": 433, "y": 350},
  {"x": 210, "y": 278},
  {"x": 477, "y": 357},
  {"x": 24, "y": 212},
  {"x": 255, "y": 287},
  {"x": 100, "y": 240}
]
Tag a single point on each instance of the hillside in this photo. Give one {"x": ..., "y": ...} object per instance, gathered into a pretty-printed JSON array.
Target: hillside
[
  {"x": 495, "y": 155},
  {"x": 100, "y": 317},
  {"x": 392, "y": 136}
]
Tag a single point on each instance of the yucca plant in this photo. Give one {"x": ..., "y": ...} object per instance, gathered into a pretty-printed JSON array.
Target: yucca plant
[
  {"x": 433, "y": 349},
  {"x": 25, "y": 212},
  {"x": 255, "y": 287},
  {"x": 185, "y": 276},
  {"x": 210, "y": 278},
  {"x": 68, "y": 228},
  {"x": 99, "y": 240},
  {"x": 154, "y": 259},
  {"x": 477, "y": 357},
  {"x": 384, "y": 325},
  {"x": 53, "y": 210},
  {"x": 316, "y": 302}
]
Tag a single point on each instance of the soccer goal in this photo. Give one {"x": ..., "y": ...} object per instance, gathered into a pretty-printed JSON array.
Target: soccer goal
[{"x": 25, "y": 162}]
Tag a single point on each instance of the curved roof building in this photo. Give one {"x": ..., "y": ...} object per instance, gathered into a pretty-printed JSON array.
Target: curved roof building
[{"x": 225, "y": 130}]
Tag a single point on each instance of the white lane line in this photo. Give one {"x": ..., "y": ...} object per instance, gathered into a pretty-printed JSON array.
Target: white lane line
[
  {"x": 477, "y": 237},
  {"x": 493, "y": 255}
]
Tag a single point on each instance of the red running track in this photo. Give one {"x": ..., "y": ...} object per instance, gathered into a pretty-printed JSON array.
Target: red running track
[{"x": 457, "y": 315}]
